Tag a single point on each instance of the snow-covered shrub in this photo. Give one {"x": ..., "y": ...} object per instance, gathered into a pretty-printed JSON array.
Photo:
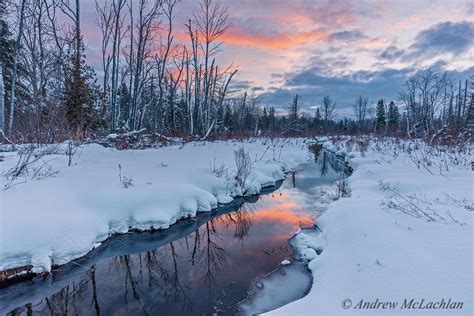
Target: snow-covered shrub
[
  {"x": 219, "y": 171},
  {"x": 419, "y": 207},
  {"x": 342, "y": 185},
  {"x": 362, "y": 145},
  {"x": 71, "y": 149},
  {"x": 30, "y": 162},
  {"x": 126, "y": 182},
  {"x": 243, "y": 164}
]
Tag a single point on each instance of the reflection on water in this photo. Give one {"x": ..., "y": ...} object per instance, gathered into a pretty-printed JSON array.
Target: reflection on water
[{"x": 197, "y": 267}]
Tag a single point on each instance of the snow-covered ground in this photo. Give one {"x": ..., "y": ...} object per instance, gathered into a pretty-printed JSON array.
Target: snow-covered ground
[
  {"x": 106, "y": 191},
  {"x": 404, "y": 236}
]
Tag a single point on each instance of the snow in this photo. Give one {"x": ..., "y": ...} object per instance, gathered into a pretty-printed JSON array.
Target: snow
[
  {"x": 405, "y": 231},
  {"x": 57, "y": 219},
  {"x": 372, "y": 251},
  {"x": 288, "y": 283}
]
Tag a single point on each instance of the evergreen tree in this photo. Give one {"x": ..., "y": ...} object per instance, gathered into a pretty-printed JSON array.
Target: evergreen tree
[
  {"x": 380, "y": 120},
  {"x": 393, "y": 119},
  {"x": 81, "y": 92},
  {"x": 317, "y": 119},
  {"x": 352, "y": 127},
  {"x": 265, "y": 120},
  {"x": 228, "y": 120},
  {"x": 271, "y": 119},
  {"x": 183, "y": 117},
  {"x": 293, "y": 114}
]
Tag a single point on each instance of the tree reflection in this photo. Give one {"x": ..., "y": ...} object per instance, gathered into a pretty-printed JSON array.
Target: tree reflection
[
  {"x": 70, "y": 299},
  {"x": 212, "y": 257},
  {"x": 323, "y": 163},
  {"x": 241, "y": 220},
  {"x": 145, "y": 280}
]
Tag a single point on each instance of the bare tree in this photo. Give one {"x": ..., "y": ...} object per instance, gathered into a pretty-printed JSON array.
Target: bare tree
[
  {"x": 104, "y": 19},
  {"x": 327, "y": 108},
  {"x": 2, "y": 107},
  {"x": 205, "y": 30},
  {"x": 424, "y": 97},
  {"x": 360, "y": 110},
  {"x": 168, "y": 7},
  {"x": 15, "y": 64},
  {"x": 117, "y": 7},
  {"x": 147, "y": 17},
  {"x": 212, "y": 21}
]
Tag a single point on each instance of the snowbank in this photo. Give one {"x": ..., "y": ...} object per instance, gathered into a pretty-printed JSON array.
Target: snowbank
[
  {"x": 62, "y": 217},
  {"x": 406, "y": 232}
]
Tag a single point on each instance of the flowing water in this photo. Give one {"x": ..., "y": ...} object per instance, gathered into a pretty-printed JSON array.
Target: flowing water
[{"x": 203, "y": 266}]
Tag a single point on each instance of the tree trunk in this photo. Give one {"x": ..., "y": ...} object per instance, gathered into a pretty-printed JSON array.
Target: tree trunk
[
  {"x": 2, "y": 96},
  {"x": 15, "y": 66}
]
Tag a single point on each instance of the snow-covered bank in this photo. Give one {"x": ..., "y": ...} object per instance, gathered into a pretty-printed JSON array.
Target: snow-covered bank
[
  {"x": 404, "y": 236},
  {"x": 61, "y": 217}
]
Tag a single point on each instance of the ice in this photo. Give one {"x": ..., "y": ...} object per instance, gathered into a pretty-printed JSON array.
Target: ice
[{"x": 289, "y": 282}]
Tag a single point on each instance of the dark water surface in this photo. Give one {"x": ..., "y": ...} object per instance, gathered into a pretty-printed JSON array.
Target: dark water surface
[{"x": 197, "y": 267}]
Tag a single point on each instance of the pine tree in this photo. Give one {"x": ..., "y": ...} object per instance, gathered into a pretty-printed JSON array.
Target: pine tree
[
  {"x": 293, "y": 114},
  {"x": 81, "y": 92},
  {"x": 317, "y": 119},
  {"x": 380, "y": 120},
  {"x": 265, "y": 120},
  {"x": 271, "y": 119},
  {"x": 393, "y": 120},
  {"x": 228, "y": 122}
]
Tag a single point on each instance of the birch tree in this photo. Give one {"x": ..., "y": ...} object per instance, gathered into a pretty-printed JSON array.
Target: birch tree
[
  {"x": 2, "y": 100},
  {"x": 15, "y": 64}
]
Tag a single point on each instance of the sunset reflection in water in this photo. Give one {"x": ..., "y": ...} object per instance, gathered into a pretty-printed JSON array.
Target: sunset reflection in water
[{"x": 205, "y": 271}]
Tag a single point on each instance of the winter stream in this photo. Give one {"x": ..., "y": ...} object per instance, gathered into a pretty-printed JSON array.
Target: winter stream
[{"x": 221, "y": 263}]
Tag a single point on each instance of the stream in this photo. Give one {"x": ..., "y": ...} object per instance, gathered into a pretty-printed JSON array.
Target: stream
[{"x": 201, "y": 266}]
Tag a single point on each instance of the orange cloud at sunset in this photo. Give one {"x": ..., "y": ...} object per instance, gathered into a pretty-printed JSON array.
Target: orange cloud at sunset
[{"x": 276, "y": 41}]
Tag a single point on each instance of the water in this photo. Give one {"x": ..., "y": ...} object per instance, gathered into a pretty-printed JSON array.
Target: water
[{"x": 197, "y": 267}]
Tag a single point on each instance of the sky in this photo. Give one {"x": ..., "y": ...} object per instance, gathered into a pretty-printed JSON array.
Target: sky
[{"x": 340, "y": 48}]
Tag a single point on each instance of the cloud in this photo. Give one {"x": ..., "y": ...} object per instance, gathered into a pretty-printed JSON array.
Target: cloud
[
  {"x": 392, "y": 53},
  {"x": 241, "y": 84},
  {"x": 311, "y": 86},
  {"x": 355, "y": 37},
  {"x": 329, "y": 65},
  {"x": 447, "y": 37},
  {"x": 470, "y": 8},
  {"x": 347, "y": 36},
  {"x": 274, "y": 41}
]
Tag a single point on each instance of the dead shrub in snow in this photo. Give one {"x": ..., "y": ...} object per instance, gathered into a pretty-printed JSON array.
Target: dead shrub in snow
[
  {"x": 126, "y": 182},
  {"x": 29, "y": 157},
  {"x": 219, "y": 171},
  {"x": 362, "y": 145},
  {"x": 416, "y": 205},
  {"x": 71, "y": 149},
  {"x": 342, "y": 185},
  {"x": 243, "y": 164}
]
